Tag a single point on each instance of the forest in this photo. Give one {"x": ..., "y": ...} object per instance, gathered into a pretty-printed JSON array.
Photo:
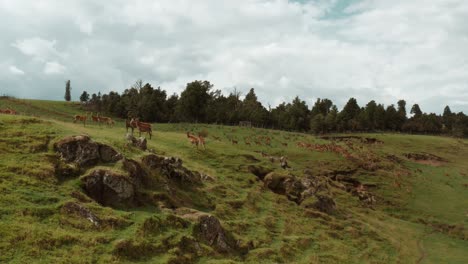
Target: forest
[{"x": 201, "y": 103}]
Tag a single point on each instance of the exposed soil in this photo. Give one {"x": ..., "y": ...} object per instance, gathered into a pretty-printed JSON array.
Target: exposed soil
[{"x": 426, "y": 159}]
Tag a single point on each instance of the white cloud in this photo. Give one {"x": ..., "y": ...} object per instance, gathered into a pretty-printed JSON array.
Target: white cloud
[
  {"x": 371, "y": 49},
  {"x": 54, "y": 67},
  {"x": 37, "y": 48},
  {"x": 14, "y": 70}
]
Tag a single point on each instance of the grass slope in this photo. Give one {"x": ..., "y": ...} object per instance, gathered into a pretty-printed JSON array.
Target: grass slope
[{"x": 420, "y": 215}]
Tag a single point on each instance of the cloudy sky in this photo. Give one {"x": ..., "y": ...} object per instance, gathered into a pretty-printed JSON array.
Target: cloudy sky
[{"x": 368, "y": 49}]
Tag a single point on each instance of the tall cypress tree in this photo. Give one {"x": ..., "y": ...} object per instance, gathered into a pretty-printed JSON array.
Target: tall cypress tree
[{"x": 67, "y": 91}]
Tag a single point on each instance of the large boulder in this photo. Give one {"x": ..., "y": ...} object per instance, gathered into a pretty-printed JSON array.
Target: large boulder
[
  {"x": 108, "y": 154},
  {"x": 109, "y": 188},
  {"x": 259, "y": 171},
  {"x": 172, "y": 169},
  {"x": 135, "y": 170},
  {"x": 140, "y": 142},
  {"x": 315, "y": 191},
  {"x": 85, "y": 152},
  {"x": 209, "y": 230}
]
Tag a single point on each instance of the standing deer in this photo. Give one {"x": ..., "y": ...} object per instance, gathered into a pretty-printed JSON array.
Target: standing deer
[
  {"x": 81, "y": 119},
  {"x": 142, "y": 127}
]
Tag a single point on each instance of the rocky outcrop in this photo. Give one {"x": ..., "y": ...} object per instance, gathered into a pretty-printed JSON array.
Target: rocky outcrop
[
  {"x": 82, "y": 151},
  {"x": 109, "y": 188},
  {"x": 140, "y": 143},
  {"x": 316, "y": 190},
  {"x": 259, "y": 171},
  {"x": 172, "y": 169},
  {"x": 209, "y": 230},
  {"x": 136, "y": 172},
  {"x": 82, "y": 211}
]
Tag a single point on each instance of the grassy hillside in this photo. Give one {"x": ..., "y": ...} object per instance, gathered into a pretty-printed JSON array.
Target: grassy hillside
[{"x": 419, "y": 215}]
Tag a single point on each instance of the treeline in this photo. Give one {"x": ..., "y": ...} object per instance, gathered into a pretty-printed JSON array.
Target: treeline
[{"x": 200, "y": 103}]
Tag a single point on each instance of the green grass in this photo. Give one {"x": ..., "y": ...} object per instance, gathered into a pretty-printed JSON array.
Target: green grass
[{"x": 426, "y": 215}]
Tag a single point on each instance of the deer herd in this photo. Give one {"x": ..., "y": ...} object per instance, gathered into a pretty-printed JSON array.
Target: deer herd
[{"x": 8, "y": 111}]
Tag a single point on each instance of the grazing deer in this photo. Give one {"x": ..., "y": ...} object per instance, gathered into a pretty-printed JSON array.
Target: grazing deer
[
  {"x": 234, "y": 142},
  {"x": 193, "y": 139},
  {"x": 8, "y": 111},
  {"x": 95, "y": 118},
  {"x": 110, "y": 122},
  {"x": 201, "y": 140},
  {"x": 105, "y": 120},
  {"x": 142, "y": 127},
  {"x": 81, "y": 119}
]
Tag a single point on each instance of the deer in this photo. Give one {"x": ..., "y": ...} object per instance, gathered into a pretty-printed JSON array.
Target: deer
[
  {"x": 193, "y": 139},
  {"x": 80, "y": 118},
  {"x": 142, "y": 127},
  {"x": 234, "y": 142},
  {"x": 201, "y": 140},
  {"x": 95, "y": 118}
]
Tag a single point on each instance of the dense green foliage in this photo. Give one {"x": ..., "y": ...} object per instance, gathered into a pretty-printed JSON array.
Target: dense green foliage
[{"x": 199, "y": 103}]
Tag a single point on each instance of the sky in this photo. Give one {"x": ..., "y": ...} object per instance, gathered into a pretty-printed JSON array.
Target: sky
[{"x": 367, "y": 49}]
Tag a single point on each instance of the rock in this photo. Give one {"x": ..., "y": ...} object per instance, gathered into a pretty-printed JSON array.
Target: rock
[
  {"x": 108, "y": 154},
  {"x": 172, "y": 169},
  {"x": 64, "y": 170},
  {"x": 139, "y": 143},
  {"x": 259, "y": 171},
  {"x": 276, "y": 182},
  {"x": 109, "y": 188},
  {"x": 284, "y": 162},
  {"x": 136, "y": 172},
  {"x": 325, "y": 204},
  {"x": 78, "y": 149},
  {"x": 85, "y": 152},
  {"x": 209, "y": 230},
  {"x": 82, "y": 211},
  {"x": 299, "y": 190}
]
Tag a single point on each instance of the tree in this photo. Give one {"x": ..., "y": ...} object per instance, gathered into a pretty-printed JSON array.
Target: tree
[
  {"x": 67, "y": 91},
  {"x": 391, "y": 118},
  {"x": 252, "y": 110},
  {"x": 318, "y": 124},
  {"x": 193, "y": 101},
  {"x": 84, "y": 98},
  {"x": 298, "y": 113},
  {"x": 416, "y": 111},
  {"x": 330, "y": 119},
  {"x": 347, "y": 119},
  {"x": 447, "y": 119},
  {"x": 401, "y": 114},
  {"x": 321, "y": 106}
]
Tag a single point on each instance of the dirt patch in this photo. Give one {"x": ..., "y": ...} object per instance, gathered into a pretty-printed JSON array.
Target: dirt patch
[{"x": 426, "y": 159}]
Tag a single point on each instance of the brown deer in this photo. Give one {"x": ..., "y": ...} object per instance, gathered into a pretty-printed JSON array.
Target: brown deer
[
  {"x": 129, "y": 124},
  {"x": 201, "y": 140},
  {"x": 142, "y": 127},
  {"x": 234, "y": 142},
  {"x": 193, "y": 139},
  {"x": 81, "y": 119}
]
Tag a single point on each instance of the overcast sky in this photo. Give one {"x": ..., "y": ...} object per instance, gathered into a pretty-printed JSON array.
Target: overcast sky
[{"x": 370, "y": 49}]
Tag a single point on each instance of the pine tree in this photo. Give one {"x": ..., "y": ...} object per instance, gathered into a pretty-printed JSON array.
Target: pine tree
[{"x": 67, "y": 91}]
